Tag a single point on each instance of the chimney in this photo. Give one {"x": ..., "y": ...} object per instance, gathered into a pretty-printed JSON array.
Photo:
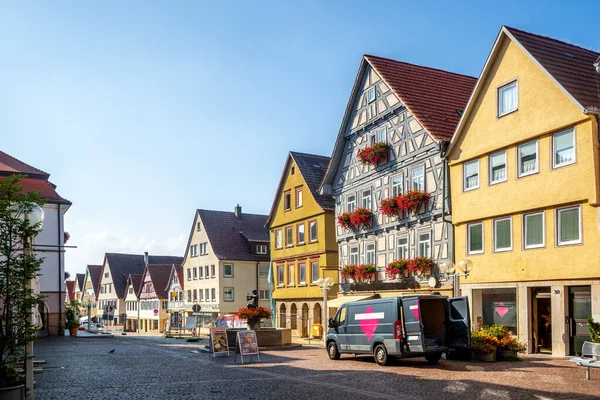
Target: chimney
[
  {"x": 238, "y": 212},
  {"x": 146, "y": 258}
]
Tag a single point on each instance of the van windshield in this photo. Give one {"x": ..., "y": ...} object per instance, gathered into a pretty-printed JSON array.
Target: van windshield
[{"x": 341, "y": 317}]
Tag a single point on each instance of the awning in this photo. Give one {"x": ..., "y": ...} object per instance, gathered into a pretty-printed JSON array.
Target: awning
[{"x": 346, "y": 299}]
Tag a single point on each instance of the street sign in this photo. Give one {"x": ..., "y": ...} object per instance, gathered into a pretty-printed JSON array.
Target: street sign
[
  {"x": 196, "y": 308},
  {"x": 196, "y": 313}
]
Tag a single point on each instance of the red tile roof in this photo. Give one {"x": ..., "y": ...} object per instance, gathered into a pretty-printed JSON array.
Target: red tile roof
[
  {"x": 10, "y": 165},
  {"x": 432, "y": 95},
  {"x": 159, "y": 274},
  {"x": 572, "y": 66},
  {"x": 95, "y": 271},
  {"x": 71, "y": 290}
]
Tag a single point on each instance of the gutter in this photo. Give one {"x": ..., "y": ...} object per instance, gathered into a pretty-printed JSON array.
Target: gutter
[{"x": 60, "y": 275}]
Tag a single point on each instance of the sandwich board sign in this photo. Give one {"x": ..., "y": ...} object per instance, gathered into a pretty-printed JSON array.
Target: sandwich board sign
[
  {"x": 247, "y": 344},
  {"x": 218, "y": 341}
]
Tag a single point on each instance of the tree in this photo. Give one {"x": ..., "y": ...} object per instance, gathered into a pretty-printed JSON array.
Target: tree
[
  {"x": 18, "y": 266},
  {"x": 594, "y": 329}
]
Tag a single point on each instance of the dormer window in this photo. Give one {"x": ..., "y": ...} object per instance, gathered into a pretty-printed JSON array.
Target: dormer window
[
  {"x": 508, "y": 100},
  {"x": 261, "y": 249},
  {"x": 371, "y": 95}
]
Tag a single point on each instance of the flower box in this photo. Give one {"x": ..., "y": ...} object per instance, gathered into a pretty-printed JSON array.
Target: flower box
[
  {"x": 390, "y": 207},
  {"x": 484, "y": 357},
  {"x": 423, "y": 265},
  {"x": 359, "y": 273},
  {"x": 356, "y": 219},
  {"x": 397, "y": 269},
  {"x": 506, "y": 355},
  {"x": 374, "y": 154}
]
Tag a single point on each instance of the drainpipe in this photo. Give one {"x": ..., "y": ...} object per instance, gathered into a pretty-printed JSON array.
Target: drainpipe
[
  {"x": 257, "y": 291},
  {"x": 60, "y": 276}
]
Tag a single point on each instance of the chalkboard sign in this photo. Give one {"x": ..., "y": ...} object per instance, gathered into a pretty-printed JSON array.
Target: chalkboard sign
[
  {"x": 247, "y": 344},
  {"x": 218, "y": 341}
]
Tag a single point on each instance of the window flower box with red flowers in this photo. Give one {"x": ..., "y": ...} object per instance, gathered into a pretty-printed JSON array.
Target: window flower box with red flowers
[
  {"x": 374, "y": 154},
  {"x": 359, "y": 273},
  {"x": 413, "y": 199},
  {"x": 424, "y": 265},
  {"x": 344, "y": 220},
  {"x": 355, "y": 219},
  {"x": 397, "y": 269},
  {"x": 349, "y": 272},
  {"x": 390, "y": 207}
]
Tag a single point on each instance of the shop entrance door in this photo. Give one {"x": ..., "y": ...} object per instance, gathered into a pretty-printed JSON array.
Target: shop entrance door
[
  {"x": 542, "y": 320},
  {"x": 580, "y": 309}
]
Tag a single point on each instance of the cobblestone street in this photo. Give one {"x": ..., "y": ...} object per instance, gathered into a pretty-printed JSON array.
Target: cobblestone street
[{"x": 157, "y": 368}]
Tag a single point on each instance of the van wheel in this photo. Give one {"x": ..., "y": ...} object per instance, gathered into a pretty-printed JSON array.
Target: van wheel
[
  {"x": 381, "y": 355},
  {"x": 433, "y": 358},
  {"x": 333, "y": 352}
]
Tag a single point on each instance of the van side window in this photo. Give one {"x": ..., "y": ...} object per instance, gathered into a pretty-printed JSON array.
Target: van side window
[{"x": 341, "y": 317}]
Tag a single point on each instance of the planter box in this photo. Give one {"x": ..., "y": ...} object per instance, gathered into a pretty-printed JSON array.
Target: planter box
[
  {"x": 266, "y": 337},
  {"x": 506, "y": 355},
  {"x": 490, "y": 357},
  {"x": 405, "y": 284},
  {"x": 13, "y": 393}
]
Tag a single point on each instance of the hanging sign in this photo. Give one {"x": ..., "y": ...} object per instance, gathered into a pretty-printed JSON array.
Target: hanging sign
[
  {"x": 218, "y": 341},
  {"x": 247, "y": 344}
]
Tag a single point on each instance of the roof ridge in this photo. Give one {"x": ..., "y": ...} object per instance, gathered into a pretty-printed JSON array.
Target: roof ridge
[
  {"x": 22, "y": 162},
  {"x": 231, "y": 212},
  {"x": 510, "y": 28},
  {"x": 420, "y": 66},
  {"x": 308, "y": 154}
]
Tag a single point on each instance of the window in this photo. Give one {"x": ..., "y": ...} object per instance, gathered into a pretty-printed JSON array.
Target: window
[
  {"x": 371, "y": 94},
  {"x": 491, "y": 299},
  {"x": 507, "y": 99},
  {"x": 366, "y": 199},
  {"x": 402, "y": 248},
  {"x": 425, "y": 245},
  {"x": 471, "y": 175},
  {"x": 106, "y": 274},
  {"x": 290, "y": 274},
  {"x": 261, "y": 249},
  {"x": 293, "y": 170},
  {"x": 264, "y": 295},
  {"x": 382, "y": 134},
  {"x": 130, "y": 290},
  {"x": 195, "y": 271},
  {"x": 563, "y": 145},
  {"x": 288, "y": 236},
  {"x": 206, "y": 294},
  {"x": 263, "y": 271},
  {"x": 212, "y": 270},
  {"x": 206, "y": 272},
  {"x": 351, "y": 203},
  {"x": 370, "y": 253},
  {"x": 502, "y": 234},
  {"x": 195, "y": 295},
  {"x": 298, "y": 197},
  {"x": 227, "y": 270},
  {"x": 194, "y": 250},
  {"x": 314, "y": 271},
  {"x": 213, "y": 294},
  {"x": 312, "y": 231},
  {"x": 302, "y": 273},
  {"x": 528, "y": 158},
  {"x": 198, "y": 226},
  {"x": 353, "y": 256},
  {"x": 418, "y": 179},
  {"x": 475, "y": 238},
  {"x": 102, "y": 287},
  {"x": 287, "y": 200},
  {"x": 280, "y": 277},
  {"x": 300, "y": 233},
  {"x": 533, "y": 225},
  {"x": 227, "y": 294},
  {"x": 203, "y": 248},
  {"x": 497, "y": 165},
  {"x": 189, "y": 274},
  {"x": 200, "y": 271},
  {"x": 200, "y": 295},
  {"x": 278, "y": 239},
  {"x": 569, "y": 226},
  {"x": 189, "y": 297},
  {"x": 397, "y": 186}
]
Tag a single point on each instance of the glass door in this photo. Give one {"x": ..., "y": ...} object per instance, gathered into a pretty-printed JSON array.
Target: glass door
[{"x": 580, "y": 309}]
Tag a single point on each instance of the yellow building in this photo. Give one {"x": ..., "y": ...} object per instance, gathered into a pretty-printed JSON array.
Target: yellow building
[
  {"x": 524, "y": 170},
  {"x": 303, "y": 244},
  {"x": 90, "y": 291}
]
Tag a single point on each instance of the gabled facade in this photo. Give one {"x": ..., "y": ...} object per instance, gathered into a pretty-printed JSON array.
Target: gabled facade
[
  {"x": 524, "y": 165},
  {"x": 79, "y": 288},
  {"x": 175, "y": 292},
  {"x": 227, "y": 257},
  {"x": 414, "y": 110},
  {"x": 132, "y": 302},
  {"x": 304, "y": 248},
  {"x": 90, "y": 292},
  {"x": 51, "y": 280},
  {"x": 153, "y": 298},
  {"x": 70, "y": 292}
]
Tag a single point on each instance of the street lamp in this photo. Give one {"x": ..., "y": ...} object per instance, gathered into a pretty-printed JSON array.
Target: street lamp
[
  {"x": 325, "y": 284},
  {"x": 448, "y": 268},
  {"x": 34, "y": 216}
]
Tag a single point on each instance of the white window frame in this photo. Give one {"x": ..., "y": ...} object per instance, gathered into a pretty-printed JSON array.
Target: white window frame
[
  {"x": 353, "y": 202},
  {"x": 351, "y": 256},
  {"x": 264, "y": 294},
  {"x": 312, "y": 271},
  {"x": 421, "y": 176},
  {"x": 203, "y": 248},
  {"x": 299, "y": 197},
  {"x": 291, "y": 272},
  {"x": 213, "y": 294},
  {"x": 369, "y": 199},
  {"x": 289, "y": 243},
  {"x": 370, "y": 253},
  {"x": 281, "y": 282},
  {"x": 195, "y": 273},
  {"x": 300, "y": 233},
  {"x": 499, "y": 95},
  {"x": 264, "y": 268},
  {"x": 400, "y": 185},
  {"x": 564, "y": 164},
  {"x": 194, "y": 250},
  {"x": 261, "y": 249},
  {"x": 371, "y": 96},
  {"x": 558, "y": 220},
  {"x": 510, "y": 235},
  {"x": 537, "y": 159},
  {"x": 525, "y": 227},
  {"x": 491, "y": 172},
  {"x": 225, "y": 274},
  {"x": 465, "y": 188},
  {"x": 406, "y": 246},
  {"x": 300, "y": 280},
  {"x": 382, "y": 135},
  {"x": 469, "y": 251},
  {"x": 428, "y": 242},
  {"x": 278, "y": 238},
  {"x": 310, "y": 238},
  {"x": 225, "y": 290}
]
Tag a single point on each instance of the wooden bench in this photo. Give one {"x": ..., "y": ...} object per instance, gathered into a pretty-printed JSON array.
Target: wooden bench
[{"x": 590, "y": 357}]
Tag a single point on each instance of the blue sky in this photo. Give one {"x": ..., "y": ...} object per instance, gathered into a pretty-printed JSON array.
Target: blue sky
[{"x": 143, "y": 111}]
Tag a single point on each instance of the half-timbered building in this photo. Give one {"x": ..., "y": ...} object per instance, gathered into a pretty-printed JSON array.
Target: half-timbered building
[{"x": 411, "y": 111}]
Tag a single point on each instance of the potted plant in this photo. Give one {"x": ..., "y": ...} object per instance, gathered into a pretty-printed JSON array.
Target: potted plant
[
  {"x": 412, "y": 200},
  {"x": 484, "y": 345},
  {"x": 421, "y": 264},
  {"x": 71, "y": 314},
  {"x": 349, "y": 272},
  {"x": 253, "y": 315},
  {"x": 397, "y": 269},
  {"x": 374, "y": 154},
  {"x": 509, "y": 347},
  {"x": 344, "y": 220},
  {"x": 390, "y": 207},
  {"x": 360, "y": 217},
  {"x": 366, "y": 272},
  {"x": 18, "y": 267}
]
